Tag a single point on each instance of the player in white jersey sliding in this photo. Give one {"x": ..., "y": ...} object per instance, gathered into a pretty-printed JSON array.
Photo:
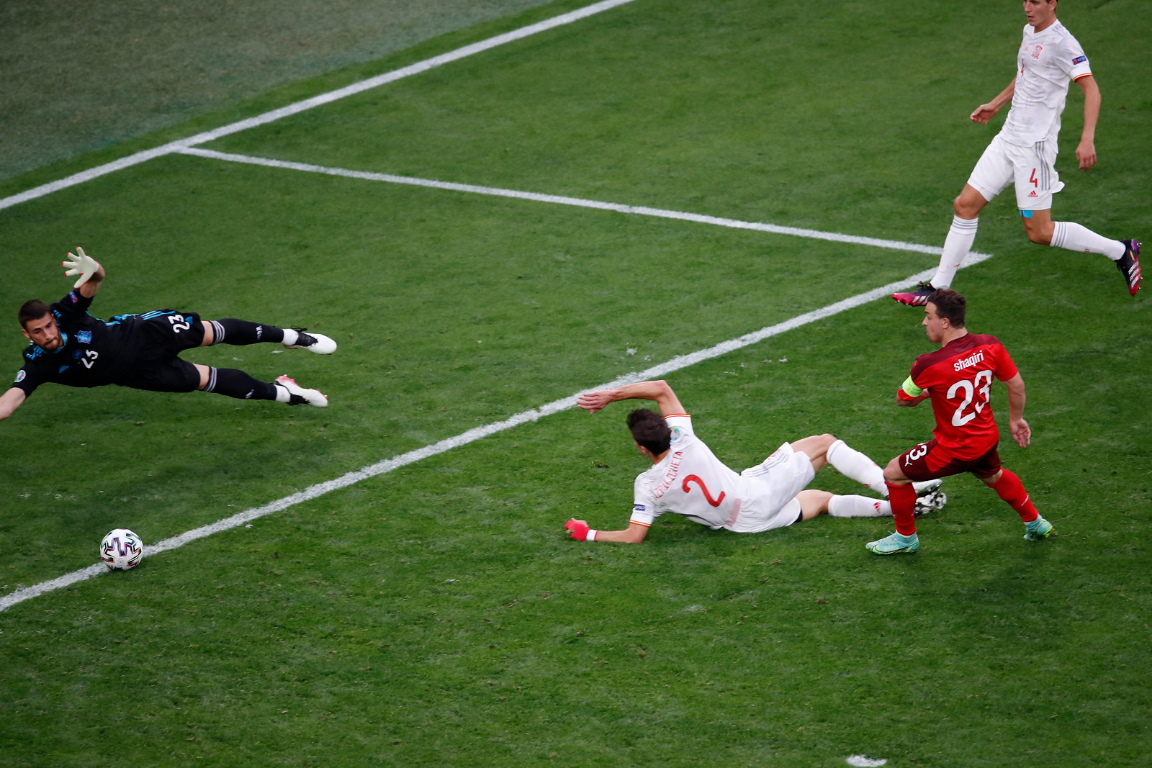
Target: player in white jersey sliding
[
  {"x": 687, "y": 479},
  {"x": 1024, "y": 153}
]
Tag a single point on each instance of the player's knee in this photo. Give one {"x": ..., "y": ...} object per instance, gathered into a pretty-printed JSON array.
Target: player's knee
[
  {"x": 965, "y": 207},
  {"x": 1038, "y": 233},
  {"x": 893, "y": 474}
]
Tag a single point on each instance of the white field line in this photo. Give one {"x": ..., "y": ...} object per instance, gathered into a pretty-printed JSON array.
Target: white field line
[
  {"x": 315, "y": 101},
  {"x": 472, "y": 435},
  {"x": 537, "y": 197}
]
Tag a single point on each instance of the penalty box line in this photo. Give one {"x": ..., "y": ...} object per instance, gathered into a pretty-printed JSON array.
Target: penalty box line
[
  {"x": 637, "y": 210},
  {"x": 388, "y": 465}
]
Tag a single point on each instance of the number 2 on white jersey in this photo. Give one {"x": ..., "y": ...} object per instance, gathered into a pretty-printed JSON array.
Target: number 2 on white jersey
[{"x": 978, "y": 390}]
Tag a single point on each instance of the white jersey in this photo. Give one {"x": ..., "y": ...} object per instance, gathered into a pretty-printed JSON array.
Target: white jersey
[
  {"x": 1048, "y": 61},
  {"x": 692, "y": 482}
]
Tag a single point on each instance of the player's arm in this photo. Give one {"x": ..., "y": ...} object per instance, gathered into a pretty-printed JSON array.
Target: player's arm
[
  {"x": 10, "y": 401},
  {"x": 658, "y": 391},
  {"x": 909, "y": 395},
  {"x": 633, "y": 534},
  {"x": 983, "y": 113},
  {"x": 1021, "y": 432},
  {"x": 91, "y": 273},
  {"x": 1086, "y": 151}
]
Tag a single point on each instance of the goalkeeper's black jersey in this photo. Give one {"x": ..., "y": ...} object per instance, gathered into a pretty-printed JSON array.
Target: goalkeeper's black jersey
[{"x": 95, "y": 352}]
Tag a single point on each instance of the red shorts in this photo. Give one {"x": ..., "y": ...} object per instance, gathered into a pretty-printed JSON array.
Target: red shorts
[{"x": 930, "y": 460}]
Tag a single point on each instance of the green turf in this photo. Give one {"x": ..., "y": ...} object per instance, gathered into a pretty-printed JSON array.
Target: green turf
[{"x": 435, "y": 615}]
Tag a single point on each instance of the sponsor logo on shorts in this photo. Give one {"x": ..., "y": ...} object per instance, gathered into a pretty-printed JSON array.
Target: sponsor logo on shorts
[
  {"x": 20, "y": 376},
  {"x": 84, "y": 337},
  {"x": 1079, "y": 60}
]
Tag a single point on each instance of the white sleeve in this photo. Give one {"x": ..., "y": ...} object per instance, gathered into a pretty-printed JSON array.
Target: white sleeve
[{"x": 643, "y": 503}]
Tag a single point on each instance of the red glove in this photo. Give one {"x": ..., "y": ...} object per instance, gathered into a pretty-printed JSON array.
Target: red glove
[{"x": 579, "y": 530}]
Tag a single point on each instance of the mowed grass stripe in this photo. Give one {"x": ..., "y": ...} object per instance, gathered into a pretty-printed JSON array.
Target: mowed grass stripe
[{"x": 307, "y": 104}]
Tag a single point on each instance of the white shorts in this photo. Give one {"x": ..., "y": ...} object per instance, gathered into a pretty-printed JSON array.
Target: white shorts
[
  {"x": 1031, "y": 168},
  {"x": 782, "y": 475}
]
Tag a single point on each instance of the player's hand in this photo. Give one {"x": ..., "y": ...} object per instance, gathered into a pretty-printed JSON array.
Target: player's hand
[
  {"x": 983, "y": 113},
  {"x": 82, "y": 264},
  {"x": 1021, "y": 433},
  {"x": 1086, "y": 154},
  {"x": 577, "y": 529},
  {"x": 594, "y": 401}
]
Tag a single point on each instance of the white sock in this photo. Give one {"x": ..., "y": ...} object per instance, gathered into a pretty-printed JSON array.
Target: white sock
[
  {"x": 1074, "y": 237},
  {"x": 858, "y": 506},
  {"x": 851, "y": 463},
  {"x": 282, "y": 394},
  {"x": 290, "y": 337},
  {"x": 959, "y": 241}
]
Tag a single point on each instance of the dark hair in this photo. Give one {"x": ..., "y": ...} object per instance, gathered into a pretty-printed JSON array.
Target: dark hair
[
  {"x": 649, "y": 430},
  {"x": 33, "y": 310},
  {"x": 949, "y": 305}
]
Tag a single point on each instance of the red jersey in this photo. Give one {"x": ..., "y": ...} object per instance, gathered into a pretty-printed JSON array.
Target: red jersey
[{"x": 958, "y": 377}]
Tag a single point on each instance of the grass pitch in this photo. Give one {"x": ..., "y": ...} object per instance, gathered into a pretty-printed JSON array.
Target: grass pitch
[{"x": 435, "y": 615}]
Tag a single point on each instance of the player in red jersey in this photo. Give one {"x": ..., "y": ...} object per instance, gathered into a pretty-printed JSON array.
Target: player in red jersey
[{"x": 958, "y": 378}]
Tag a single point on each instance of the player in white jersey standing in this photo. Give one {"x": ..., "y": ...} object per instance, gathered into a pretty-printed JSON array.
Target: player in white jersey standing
[
  {"x": 687, "y": 479},
  {"x": 1024, "y": 153}
]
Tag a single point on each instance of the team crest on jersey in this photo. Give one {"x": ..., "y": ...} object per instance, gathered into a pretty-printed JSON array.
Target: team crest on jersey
[
  {"x": 1036, "y": 51},
  {"x": 84, "y": 337},
  {"x": 20, "y": 377},
  {"x": 1079, "y": 60}
]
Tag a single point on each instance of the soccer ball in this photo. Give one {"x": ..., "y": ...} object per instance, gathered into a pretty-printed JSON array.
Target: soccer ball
[{"x": 121, "y": 550}]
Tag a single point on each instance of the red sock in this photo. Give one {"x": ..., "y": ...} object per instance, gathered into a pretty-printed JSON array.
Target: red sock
[
  {"x": 903, "y": 500},
  {"x": 1009, "y": 488}
]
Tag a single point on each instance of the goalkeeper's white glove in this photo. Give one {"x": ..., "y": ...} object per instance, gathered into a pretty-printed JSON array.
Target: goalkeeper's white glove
[{"x": 82, "y": 264}]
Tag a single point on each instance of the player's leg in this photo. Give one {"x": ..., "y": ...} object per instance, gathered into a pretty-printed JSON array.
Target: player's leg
[
  {"x": 1125, "y": 254},
  {"x": 813, "y": 503},
  {"x": 1036, "y": 182},
  {"x": 244, "y": 332},
  {"x": 1008, "y": 487},
  {"x": 921, "y": 462},
  {"x": 231, "y": 382},
  {"x": 854, "y": 464},
  {"x": 991, "y": 175}
]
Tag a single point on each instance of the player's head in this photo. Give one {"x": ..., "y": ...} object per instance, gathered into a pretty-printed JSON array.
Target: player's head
[
  {"x": 944, "y": 315},
  {"x": 650, "y": 431},
  {"x": 38, "y": 325},
  {"x": 1040, "y": 13}
]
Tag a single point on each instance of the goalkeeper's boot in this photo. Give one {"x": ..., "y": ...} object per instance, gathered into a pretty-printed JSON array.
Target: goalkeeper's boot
[
  {"x": 929, "y": 502},
  {"x": 925, "y": 487},
  {"x": 895, "y": 544},
  {"x": 1038, "y": 529},
  {"x": 313, "y": 342},
  {"x": 297, "y": 395},
  {"x": 1129, "y": 266},
  {"x": 917, "y": 297}
]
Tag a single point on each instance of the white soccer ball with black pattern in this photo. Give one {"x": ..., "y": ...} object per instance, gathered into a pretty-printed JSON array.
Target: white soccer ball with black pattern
[{"x": 121, "y": 550}]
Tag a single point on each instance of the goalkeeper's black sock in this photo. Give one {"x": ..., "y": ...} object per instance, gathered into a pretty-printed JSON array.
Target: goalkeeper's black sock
[
  {"x": 242, "y": 332},
  {"x": 234, "y": 383}
]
